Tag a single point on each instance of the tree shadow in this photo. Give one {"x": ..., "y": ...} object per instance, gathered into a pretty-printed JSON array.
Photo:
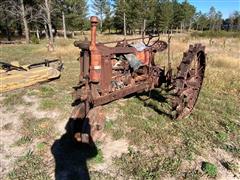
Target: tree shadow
[
  {"x": 71, "y": 156},
  {"x": 155, "y": 95}
]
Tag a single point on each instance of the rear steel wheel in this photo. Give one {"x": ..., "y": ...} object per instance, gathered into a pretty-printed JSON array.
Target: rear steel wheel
[{"x": 188, "y": 81}]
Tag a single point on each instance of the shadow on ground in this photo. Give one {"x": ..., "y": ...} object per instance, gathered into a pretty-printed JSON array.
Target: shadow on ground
[
  {"x": 71, "y": 157},
  {"x": 156, "y": 96}
]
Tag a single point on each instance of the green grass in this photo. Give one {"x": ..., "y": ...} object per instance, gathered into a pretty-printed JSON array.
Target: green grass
[
  {"x": 209, "y": 169},
  {"x": 118, "y": 134},
  {"x": 192, "y": 175},
  {"x": 231, "y": 166},
  {"x": 12, "y": 99},
  {"x": 185, "y": 139},
  {"x": 108, "y": 125},
  {"x": 98, "y": 158},
  {"x": 136, "y": 164},
  {"x": 96, "y": 175},
  {"x": 48, "y": 104},
  {"x": 29, "y": 167},
  {"x": 47, "y": 91},
  {"x": 33, "y": 127},
  {"x": 41, "y": 146},
  {"x": 221, "y": 136},
  {"x": 23, "y": 141}
]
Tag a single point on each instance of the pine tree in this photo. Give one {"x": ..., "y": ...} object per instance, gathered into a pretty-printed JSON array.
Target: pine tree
[
  {"x": 76, "y": 14},
  {"x": 100, "y": 7},
  {"x": 165, "y": 15},
  {"x": 133, "y": 15},
  {"x": 188, "y": 12},
  {"x": 150, "y": 11},
  {"x": 178, "y": 15},
  {"x": 15, "y": 11},
  {"x": 107, "y": 23},
  {"x": 119, "y": 9}
]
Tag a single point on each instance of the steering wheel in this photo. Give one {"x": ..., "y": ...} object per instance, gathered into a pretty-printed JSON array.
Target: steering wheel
[
  {"x": 150, "y": 41},
  {"x": 156, "y": 45}
]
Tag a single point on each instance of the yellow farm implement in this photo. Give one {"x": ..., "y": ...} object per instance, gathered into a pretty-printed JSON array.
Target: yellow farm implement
[{"x": 13, "y": 76}]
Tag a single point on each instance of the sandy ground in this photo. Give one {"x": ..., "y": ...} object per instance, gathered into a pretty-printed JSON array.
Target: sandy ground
[
  {"x": 10, "y": 132},
  {"x": 11, "y": 124}
]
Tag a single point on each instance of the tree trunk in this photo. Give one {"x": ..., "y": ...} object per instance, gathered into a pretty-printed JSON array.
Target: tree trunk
[
  {"x": 231, "y": 24},
  {"x": 124, "y": 21},
  {"x": 190, "y": 26},
  {"x": 8, "y": 34},
  {"x": 169, "y": 58},
  {"x": 181, "y": 27},
  {"x": 47, "y": 4},
  {"x": 101, "y": 23},
  {"x": 25, "y": 22},
  {"x": 46, "y": 31},
  {"x": 64, "y": 26},
  {"x": 38, "y": 36},
  {"x": 213, "y": 25},
  {"x": 144, "y": 28},
  {"x": 19, "y": 29}
]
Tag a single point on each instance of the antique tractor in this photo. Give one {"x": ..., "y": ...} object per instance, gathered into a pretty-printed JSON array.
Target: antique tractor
[{"x": 110, "y": 73}]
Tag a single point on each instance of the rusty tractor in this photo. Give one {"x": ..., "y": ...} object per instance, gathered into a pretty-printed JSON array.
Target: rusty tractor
[{"x": 110, "y": 73}]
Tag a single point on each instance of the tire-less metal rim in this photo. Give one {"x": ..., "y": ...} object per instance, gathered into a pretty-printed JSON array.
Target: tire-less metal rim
[{"x": 189, "y": 80}]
